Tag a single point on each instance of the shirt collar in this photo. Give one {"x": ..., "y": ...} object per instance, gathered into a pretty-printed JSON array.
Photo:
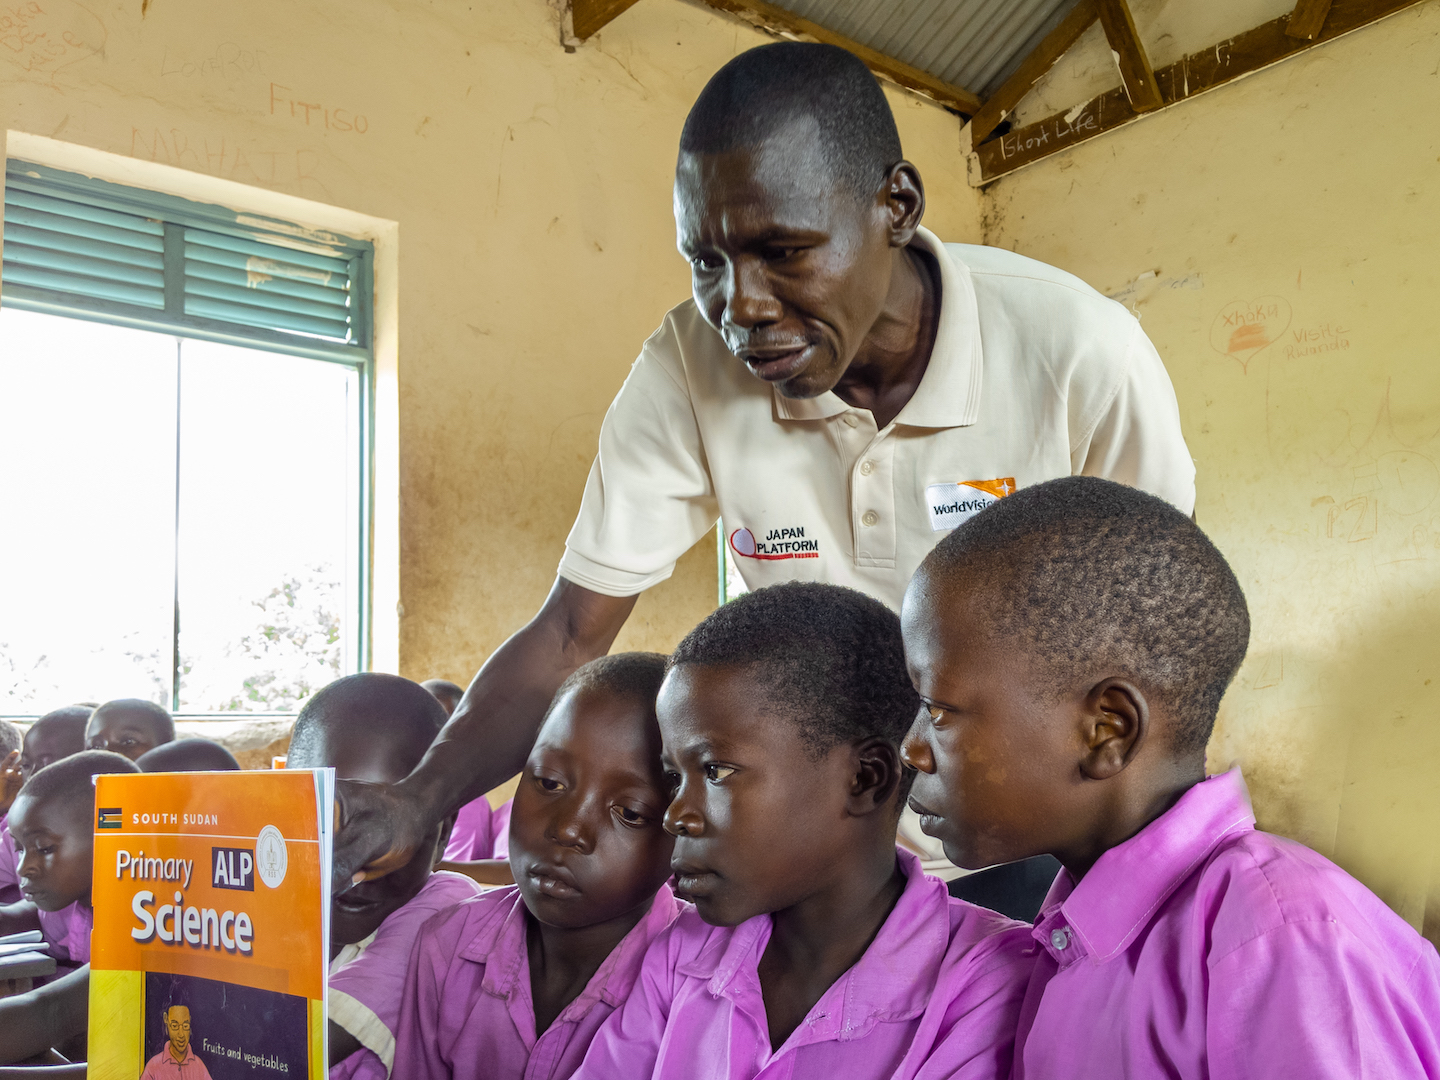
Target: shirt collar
[
  {"x": 507, "y": 961},
  {"x": 949, "y": 391},
  {"x": 186, "y": 1060},
  {"x": 884, "y": 984},
  {"x": 1128, "y": 884}
]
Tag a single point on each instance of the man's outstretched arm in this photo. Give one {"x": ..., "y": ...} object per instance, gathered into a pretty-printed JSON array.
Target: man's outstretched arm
[{"x": 379, "y": 826}]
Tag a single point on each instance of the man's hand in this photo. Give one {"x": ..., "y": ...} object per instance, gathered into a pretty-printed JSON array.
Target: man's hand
[
  {"x": 10, "y": 780},
  {"x": 378, "y": 829}
]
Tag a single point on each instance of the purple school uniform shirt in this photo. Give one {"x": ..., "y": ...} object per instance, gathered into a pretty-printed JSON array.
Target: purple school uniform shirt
[
  {"x": 9, "y": 864},
  {"x": 366, "y": 983},
  {"x": 1201, "y": 947},
  {"x": 468, "y": 1012},
  {"x": 936, "y": 994},
  {"x": 67, "y": 932},
  {"x": 479, "y": 832}
]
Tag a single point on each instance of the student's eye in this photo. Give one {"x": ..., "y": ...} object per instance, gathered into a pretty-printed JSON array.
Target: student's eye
[
  {"x": 629, "y": 816},
  {"x": 548, "y": 784},
  {"x": 780, "y": 254},
  {"x": 716, "y": 773},
  {"x": 935, "y": 711},
  {"x": 705, "y": 262}
]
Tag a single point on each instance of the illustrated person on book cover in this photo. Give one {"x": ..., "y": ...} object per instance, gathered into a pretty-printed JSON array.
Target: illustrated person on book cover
[{"x": 176, "y": 1059}]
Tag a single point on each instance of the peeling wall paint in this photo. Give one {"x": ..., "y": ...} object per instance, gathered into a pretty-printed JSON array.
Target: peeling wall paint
[
  {"x": 537, "y": 246},
  {"x": 1287, "y": 225}
]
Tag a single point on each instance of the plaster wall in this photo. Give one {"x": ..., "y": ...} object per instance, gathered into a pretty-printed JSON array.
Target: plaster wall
[
  {"x": 531, "y": 188},
  {"x": 1276, "y": 238}
]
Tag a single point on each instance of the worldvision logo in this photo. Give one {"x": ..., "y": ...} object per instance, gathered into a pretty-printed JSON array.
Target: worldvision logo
[
  {"x": 953, "y": 504},
  {"x": 789, "y": 542}
]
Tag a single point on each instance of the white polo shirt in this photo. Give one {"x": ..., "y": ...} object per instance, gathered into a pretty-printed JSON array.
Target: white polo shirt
[{"x": 1034, "y": 376}]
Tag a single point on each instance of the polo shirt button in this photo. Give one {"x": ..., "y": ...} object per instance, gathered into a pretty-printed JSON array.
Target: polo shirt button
[
  {"x": 870, "y": 518},
  {"x": 1060, "y": 938},
  {"x": 851, "y": 420},
  {"x": 867, "y": 468}
]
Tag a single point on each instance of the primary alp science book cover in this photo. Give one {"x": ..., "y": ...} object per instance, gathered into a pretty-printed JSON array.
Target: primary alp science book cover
[{"x": 212, "y": 923}]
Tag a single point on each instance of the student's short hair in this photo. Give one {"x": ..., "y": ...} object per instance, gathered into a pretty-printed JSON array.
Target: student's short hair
[
  {"x": 762, "y": 90},
  {"x": 69, "y": 778},
  {"x": 827, "y": 658},
  {"x": 1095, "y": 578},
  {"x": 627, "y": 674},
  {"x": 444, "y": 688},
  {"x": 156, "y": 714},
  {"x": 188, "y": 755},
  {"x": 369, "y": 705},
  {"x": 11, "y": 738}
]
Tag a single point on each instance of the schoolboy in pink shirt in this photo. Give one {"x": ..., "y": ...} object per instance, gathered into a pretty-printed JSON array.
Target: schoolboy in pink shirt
[
  {"x": 1072, "y": 643},
  {"x": 514, "y": 983},
  {"x": 56, "y": 735},
  {"x": 817, "y": 948},
  {"x": 376, "y": 728}
]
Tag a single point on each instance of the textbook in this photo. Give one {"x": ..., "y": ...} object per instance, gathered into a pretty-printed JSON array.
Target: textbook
[{"x": 212, "y": 925}]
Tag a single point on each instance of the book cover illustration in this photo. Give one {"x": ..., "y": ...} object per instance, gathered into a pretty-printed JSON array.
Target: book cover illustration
[{"x": 212, "y": 923}]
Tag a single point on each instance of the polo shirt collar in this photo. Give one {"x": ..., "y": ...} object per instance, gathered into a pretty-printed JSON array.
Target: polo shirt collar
[
  {"x": 949, "y": 391},
  {"x": 1120, "y": 895},
  {"x": 883, "y": 984},
  {"x": 507, "y": 959}
]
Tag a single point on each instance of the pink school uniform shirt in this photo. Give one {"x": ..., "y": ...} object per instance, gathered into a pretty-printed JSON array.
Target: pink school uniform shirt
[
  {"x": 368, "y": 978},
  {"x": 480, "y": 832},
  {"x": 67, "y": 932},
  {"x": 1202, "y": 947},
  {"x": 468, "y": 1012},
  {"x": 936, "y": 994},
  {"x": 9, "y": 864}
]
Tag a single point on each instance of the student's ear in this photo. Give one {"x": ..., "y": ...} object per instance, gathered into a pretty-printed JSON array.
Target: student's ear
[
  {"x": 442, "y": 841},
  {"x": 876, "y": 776},
  {"x": 903, "y": 194},
  {"x": 1115, "y": 724}
]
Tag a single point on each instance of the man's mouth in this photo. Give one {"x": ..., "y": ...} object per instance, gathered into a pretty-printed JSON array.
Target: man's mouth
[
  {"x": 352, "y": 904},
  {"x": 777, "y": 364},
  {"x": 556, "y": 882},
  {"x": 930, "y": 821}
]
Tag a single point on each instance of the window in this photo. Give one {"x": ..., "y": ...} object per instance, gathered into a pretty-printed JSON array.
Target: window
[
  {"x": 185, "y": 444},
  {"x": 731, "y": 583}
]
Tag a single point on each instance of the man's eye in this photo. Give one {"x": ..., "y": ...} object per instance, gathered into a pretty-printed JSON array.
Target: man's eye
[
  {"x": 705, "y": 262},
  {"x": 717, "y": 773}
]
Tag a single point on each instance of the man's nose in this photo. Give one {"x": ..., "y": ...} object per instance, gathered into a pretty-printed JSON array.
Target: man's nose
[
  {"x": 915, "y": 749},
  {"x": 749, "y": 300}
]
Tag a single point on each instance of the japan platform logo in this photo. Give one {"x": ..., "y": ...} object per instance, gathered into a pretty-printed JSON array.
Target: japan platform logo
[
  {"x": 953, "y": 504},
  {"x": 787, "y": 542}
]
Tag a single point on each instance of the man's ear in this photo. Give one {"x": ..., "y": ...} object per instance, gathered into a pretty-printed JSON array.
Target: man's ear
[
  {"x": 903, "y": 196},
  {"x": 1115, "y": 724},
  {"x": 876, "y": 775}
]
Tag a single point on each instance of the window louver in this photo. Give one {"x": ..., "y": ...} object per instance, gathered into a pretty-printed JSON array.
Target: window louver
[{"x": 77, "y": 246}]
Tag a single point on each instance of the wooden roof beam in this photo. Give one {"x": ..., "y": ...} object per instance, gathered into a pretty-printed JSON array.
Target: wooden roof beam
[
  {"x": 779, "y": 21},
  {"x": 1136, "y": 74},
  {"x": 1307, "y": 19},
  {"x": 1031, "y": 70},
  {"x": 588, "y": 17}
]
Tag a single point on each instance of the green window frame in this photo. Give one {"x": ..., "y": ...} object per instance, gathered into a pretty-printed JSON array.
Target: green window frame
[{"x": 92, "y": 249}]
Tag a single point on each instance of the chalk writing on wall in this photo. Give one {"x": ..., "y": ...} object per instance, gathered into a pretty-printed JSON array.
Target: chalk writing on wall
[
  {"x": 1244, "y": 327},
  {"x": 246, "y": 161},
  {"x": 44, "y": 36},
  {"x": 314, "y": 114},
  {"x": 1315, "y": 340},
  {"x": 229, "y": 63}
]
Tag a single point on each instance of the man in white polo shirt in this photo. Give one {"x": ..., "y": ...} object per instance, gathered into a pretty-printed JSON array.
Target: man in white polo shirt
[{"x": 842, "y": 390}]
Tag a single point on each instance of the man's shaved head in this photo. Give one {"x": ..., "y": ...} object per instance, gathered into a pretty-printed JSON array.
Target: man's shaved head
[
  {"x": 188, "y": 755},
  {"x": 772, "y": 87},
  {"x": 393, "y": 718},
  {"x": 1093, "y": 579}
]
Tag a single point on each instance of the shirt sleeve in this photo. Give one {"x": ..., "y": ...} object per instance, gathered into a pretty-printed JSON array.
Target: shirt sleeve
[
  {"x": 1306, "y": 999},
  {"x": 628, "y": 1043},
  {"x": 649, "y": 496},
  {"x": 417, "y": 1034},
  {"x": 1136, "y": 438},
  {"x": 976, "y": 1036}
]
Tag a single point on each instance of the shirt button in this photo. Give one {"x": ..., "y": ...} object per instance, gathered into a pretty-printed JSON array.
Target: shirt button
[
  {"x": 851, "y": 420},
  {"x": 1060, "y": 938},
  {"x": 869, "y": 518},
  {"x": 866, "y": 468}
]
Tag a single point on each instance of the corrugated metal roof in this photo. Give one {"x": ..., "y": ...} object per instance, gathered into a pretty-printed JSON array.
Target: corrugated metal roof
[{"x": 973, "y": 44}]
